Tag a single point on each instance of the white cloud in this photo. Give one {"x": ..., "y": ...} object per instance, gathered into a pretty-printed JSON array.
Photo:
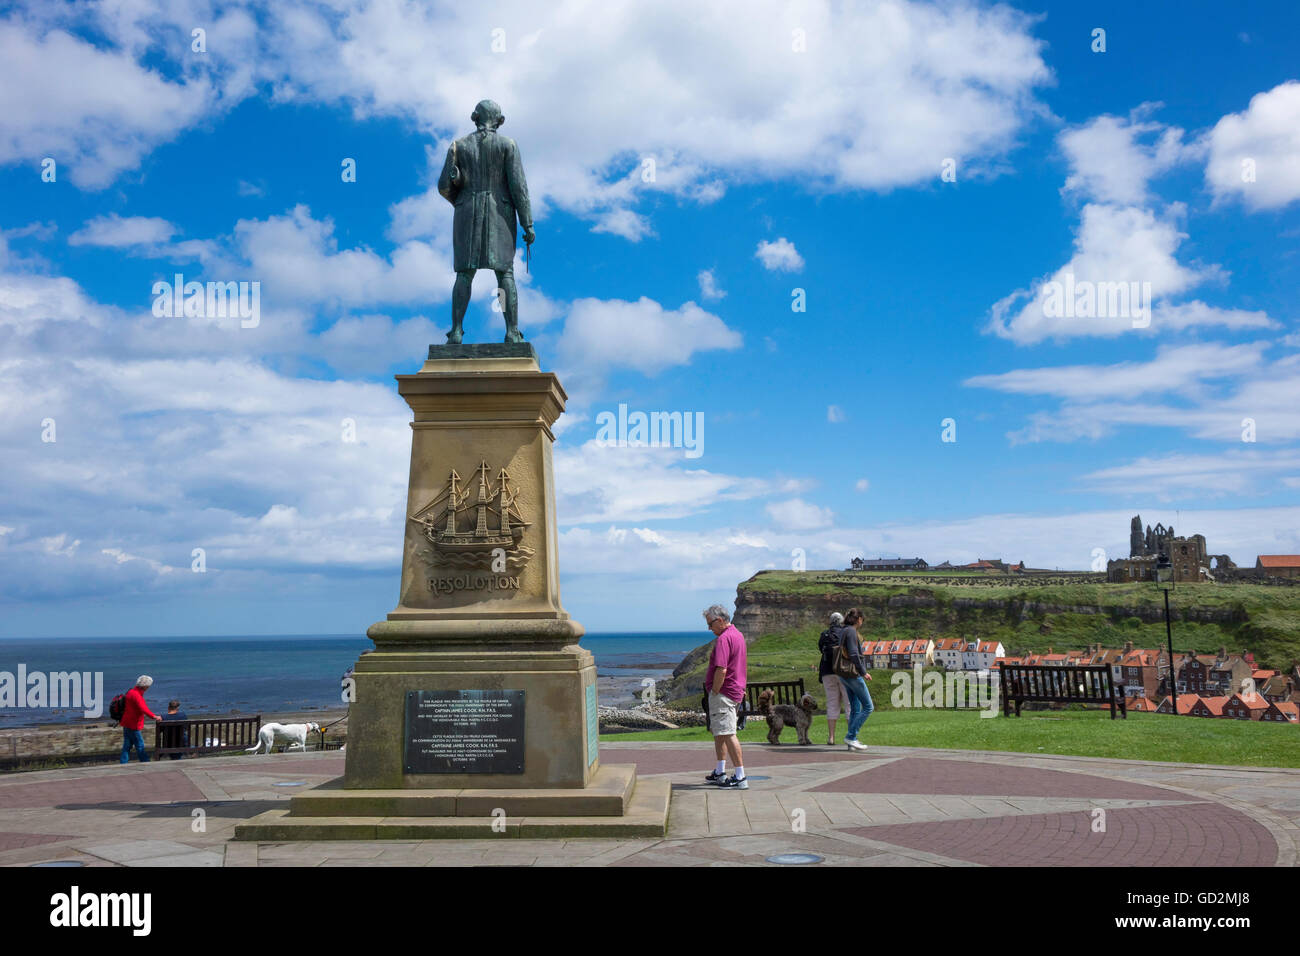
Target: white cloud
[
  {"x": 116, "y": 232},
  {"x": 1231, "y": 472},
  {"x": 862, "y": 484},
  {"x": 879, "y": 93},
  {"x": 1112, "y": 159},
  {"x": 835, "y": 414},
  {"x": 780, "y": 255},
  {"x": 144, "y": 236},
  {"x": 1115, "y": 244},
  {"x": 1254, "y": 155},
  {"x": 798, "y": 515},
  {"x": 603, "y": 334},
  {"x": 1174, "y": 369},
  {"x": 95, "y": 111},
  {"x": 596, "y": 484},
  {"x": 1186, "y": 315},
  {"x": 709, "y": 288},
  {"x": 297, "y": 258}
]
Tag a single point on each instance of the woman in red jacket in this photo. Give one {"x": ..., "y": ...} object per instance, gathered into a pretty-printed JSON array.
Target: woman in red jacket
[{"x": 133, "y": 719}]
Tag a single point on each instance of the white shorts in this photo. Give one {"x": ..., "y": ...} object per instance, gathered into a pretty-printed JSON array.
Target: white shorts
[
  {"x": 722, "y": 715},
  {"x": 835, "y": 695}
]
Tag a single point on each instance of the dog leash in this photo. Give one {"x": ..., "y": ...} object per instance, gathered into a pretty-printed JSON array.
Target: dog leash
[{"x": 331, "y": 724}]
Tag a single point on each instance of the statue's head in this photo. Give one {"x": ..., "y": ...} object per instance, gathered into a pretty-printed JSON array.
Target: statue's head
[{"x": 487, "y": 114}]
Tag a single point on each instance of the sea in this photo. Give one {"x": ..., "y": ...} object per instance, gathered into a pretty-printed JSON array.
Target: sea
[{"x": 277, "y": 674}]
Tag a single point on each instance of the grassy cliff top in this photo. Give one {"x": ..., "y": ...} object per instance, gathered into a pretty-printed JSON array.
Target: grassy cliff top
[
  {"x": 1031, "y": 614},
  {"x": 1251, "y": 598}
]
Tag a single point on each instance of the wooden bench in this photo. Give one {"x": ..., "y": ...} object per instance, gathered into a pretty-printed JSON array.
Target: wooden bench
[
  {"x": 784, "y": 691},
  {"x": 1074, "y": 684},
  {"x": 225, "y": 733}
]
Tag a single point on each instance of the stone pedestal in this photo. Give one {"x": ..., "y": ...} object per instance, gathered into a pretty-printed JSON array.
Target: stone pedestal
[{"x": 478, "y": 624}]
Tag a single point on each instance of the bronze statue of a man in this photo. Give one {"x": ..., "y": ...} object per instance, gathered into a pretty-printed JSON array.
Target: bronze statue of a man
[{"x": 484, "y": 179}]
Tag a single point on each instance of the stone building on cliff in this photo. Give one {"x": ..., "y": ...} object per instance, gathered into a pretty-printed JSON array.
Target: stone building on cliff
[{"x": 1189, "y": 556}]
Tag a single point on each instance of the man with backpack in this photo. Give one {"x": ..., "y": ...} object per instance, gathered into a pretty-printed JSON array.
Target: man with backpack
[
  {"x": 130, "y": 711},
  {"x": 837, "y": 698}
]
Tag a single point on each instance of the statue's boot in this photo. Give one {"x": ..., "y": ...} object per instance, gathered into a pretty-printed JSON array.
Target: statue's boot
[
  {"x": 512, "y": 332},
  {"x": 456, "y": 334}
]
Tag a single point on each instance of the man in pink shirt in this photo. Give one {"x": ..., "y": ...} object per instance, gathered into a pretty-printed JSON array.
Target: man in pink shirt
[{"x": 725, "y": 686}]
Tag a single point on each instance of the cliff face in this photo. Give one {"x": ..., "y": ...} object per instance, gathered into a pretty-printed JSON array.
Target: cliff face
[{"x": 764, "y": 612}]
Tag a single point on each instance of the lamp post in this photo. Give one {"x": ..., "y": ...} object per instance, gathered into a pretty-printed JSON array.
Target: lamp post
[{"x": 1165, "y": 582}]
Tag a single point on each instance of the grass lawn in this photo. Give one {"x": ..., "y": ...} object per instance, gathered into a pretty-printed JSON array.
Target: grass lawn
[{"x": 1081, "y": 733}]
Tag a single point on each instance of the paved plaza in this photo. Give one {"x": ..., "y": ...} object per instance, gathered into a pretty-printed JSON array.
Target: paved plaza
[{"x": 895, "y": 806}]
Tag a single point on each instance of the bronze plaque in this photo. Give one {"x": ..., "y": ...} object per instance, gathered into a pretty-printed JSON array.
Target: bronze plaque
[{"x": 464, "y": 731}]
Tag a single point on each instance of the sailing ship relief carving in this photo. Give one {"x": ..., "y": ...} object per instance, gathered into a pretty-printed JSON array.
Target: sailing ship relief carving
[{"x": 474, "y": 525}]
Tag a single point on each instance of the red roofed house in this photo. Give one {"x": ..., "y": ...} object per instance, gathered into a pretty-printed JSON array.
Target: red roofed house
[
  {"x": 879, "y": 651},
  {"x": 1139, "y": 671},
  {"x": 947, "y": 651},
  {"x": 1283, "y": 710},
  {"x": 1208, "y": 707},
  {"x": 898, "y": 654},
  {"x": 1052, "y": 659},
  {"x": 1279, "y": 565},
  {"x": 1185, "y": 704},
  {"x": 1245, "y": 708},
  {"x": 919, "y": 651},
  {"x": 1142, "y": 704},
  {"x": 980, "y": 655},
  {"x": 1278, "y": 687}
]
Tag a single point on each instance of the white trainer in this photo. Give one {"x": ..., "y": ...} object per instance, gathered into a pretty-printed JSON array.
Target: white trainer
[{"x": 854, "y": 745}]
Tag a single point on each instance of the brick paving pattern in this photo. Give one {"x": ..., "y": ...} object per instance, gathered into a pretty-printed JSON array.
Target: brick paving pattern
[
  {"x": 896, "y": 806},
  {"x": 756, "y": 757},
  {"x": 1198, "y": 834},
  {"x": 101, "y": 787},
  {"x": 16, "y": 841},
  {"x": 925, "y": 775}
]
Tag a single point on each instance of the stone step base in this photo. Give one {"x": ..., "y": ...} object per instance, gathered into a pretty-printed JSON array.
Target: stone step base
[
  {"x": 609, "y": 795},
  {"x": 645, "y": 816}
]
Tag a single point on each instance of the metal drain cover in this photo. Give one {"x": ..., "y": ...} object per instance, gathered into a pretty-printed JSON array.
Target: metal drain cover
[{"x": 794, "y": 859}]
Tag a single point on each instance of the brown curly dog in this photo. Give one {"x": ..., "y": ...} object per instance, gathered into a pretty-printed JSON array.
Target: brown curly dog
[{"x": 778, "y": 715}]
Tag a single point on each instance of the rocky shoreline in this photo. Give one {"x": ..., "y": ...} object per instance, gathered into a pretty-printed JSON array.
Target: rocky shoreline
[{"x": 647, "y": 717}]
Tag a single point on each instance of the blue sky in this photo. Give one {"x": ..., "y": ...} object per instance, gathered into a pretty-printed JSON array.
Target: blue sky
[{"x": 800, "y": 147}]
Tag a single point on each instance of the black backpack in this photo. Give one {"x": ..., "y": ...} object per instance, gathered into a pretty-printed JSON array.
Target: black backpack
[
  {"x": 827, "y": 643},
  {"x": 117, "y": 707}
]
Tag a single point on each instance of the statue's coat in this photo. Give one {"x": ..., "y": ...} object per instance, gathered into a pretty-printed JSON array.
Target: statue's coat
[{"x": 490, "y": 194}]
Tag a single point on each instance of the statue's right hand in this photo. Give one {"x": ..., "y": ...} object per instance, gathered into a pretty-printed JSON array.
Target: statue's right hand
[{"x": 529, "y": 236}]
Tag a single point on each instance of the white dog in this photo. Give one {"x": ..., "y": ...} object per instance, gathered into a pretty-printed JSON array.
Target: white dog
[{"x": 272, "y": 734}]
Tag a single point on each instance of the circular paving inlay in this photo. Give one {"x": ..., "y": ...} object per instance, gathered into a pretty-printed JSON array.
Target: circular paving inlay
[{"x": 795, "y": 859}]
